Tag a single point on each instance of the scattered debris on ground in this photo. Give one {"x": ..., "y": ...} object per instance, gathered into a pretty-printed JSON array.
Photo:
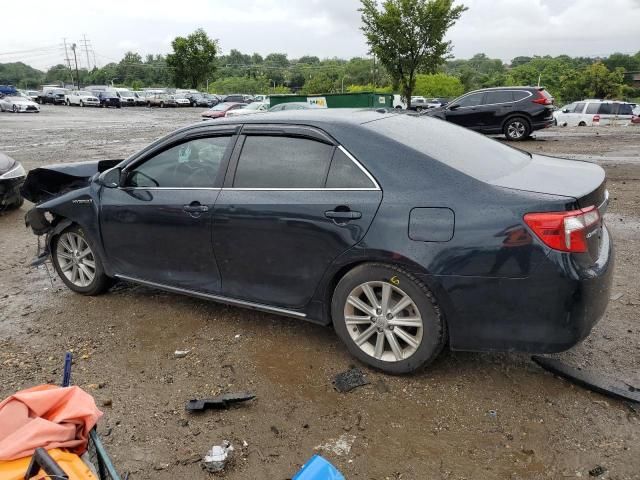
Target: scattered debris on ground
[
  {"x": 219, "y": 402},
  {"x": 217, "y": 458},
  {"x": 181, "y": 353},
  {"x": 347, "y": 381},
  {"x": 597, "y": 471},
  {"x": 340, "y": 446}
]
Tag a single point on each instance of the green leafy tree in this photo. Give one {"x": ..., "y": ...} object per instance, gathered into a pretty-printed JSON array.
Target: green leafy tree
[
  {"x": 408, "y": 36},
  {"x": 438, "y": 85},
  {"x": 193, "y": 59},
  {"x": 322, "y": 82}
]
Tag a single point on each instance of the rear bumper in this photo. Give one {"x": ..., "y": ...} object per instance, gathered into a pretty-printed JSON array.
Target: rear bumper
[
  {"x": 548, "y": 312},
  {"x": 542, "y": 124}
]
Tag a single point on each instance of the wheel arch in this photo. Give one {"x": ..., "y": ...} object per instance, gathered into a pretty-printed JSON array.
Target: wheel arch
[{"x": 513, "y": 115}]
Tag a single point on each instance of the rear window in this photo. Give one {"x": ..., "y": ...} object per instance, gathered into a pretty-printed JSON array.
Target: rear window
[
  {"x": 469, "y": 152},
  {"x": 498, "y": 96}
]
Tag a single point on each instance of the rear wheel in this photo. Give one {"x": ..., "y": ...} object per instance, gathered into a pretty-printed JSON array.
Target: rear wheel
[
  {"x": 15, "y": 109},
  {"x": 516, "y": 129},
  {"x": 81, "y": 103},
  {"x": 77, "y": 265},
  {"x": 387, "y": 318},
  {"x": 582, "y": 124},
  {"x": 161, "y": 104}
]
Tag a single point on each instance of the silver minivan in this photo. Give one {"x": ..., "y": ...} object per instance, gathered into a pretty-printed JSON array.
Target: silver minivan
[{"x": 594, "y": 112}]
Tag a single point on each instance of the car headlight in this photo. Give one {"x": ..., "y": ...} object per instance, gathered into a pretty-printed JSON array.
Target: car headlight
[{"x": 16, "y": 172}]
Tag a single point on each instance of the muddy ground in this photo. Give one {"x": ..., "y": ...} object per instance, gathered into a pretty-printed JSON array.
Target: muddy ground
[{"x": 432, "y": 425}]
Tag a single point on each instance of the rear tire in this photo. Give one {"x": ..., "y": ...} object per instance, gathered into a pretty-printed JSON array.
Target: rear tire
[
  {"x": 76, "y": 263},
  {"x": 516, "y": 129},
  {"x": 582, "y": 124},
  {"x": 392, "y": 341}
]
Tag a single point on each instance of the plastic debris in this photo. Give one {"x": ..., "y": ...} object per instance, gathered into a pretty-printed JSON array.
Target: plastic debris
[
  {"x": 340, "y": 447},
  {"x": 347, "y": 381},
  {"x": 597, "y": 471},
  {"x": 317, "y": 468},
  {"x": 181, "y": 353},
  {"x": 221, "y": 401},
  {"x": 492, "y": 413},
  {"x": 216, "y": 459}
]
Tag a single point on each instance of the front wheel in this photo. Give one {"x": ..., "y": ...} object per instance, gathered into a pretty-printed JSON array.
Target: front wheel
[
  {"x": 76, "y": 263},
  {"x": 81, "y": 103},
  {"x": 15, "y": 109},
  {"x": 516, "y": 129},
  {"x": 387, "y": 318}
]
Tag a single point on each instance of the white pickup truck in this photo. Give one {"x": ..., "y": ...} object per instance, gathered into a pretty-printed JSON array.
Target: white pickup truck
[{"x": 81, "y": 98}]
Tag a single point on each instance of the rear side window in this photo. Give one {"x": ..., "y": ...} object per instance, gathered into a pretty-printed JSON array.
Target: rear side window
[
  {"x": 471, "y": 100},
  {"x": 346, "y": 174},
  {"x": 605, "y": 109},
  {"x": 282, "y": 162},
  {"x": 592, "y": 108},
  {"x": 498, "y": 96},
  {"x": 625, "y": 109},
  {"x": 520, "y": 95}
]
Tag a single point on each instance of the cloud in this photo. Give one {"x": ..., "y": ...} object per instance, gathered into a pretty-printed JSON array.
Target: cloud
[{"x": 325, "y": 28}]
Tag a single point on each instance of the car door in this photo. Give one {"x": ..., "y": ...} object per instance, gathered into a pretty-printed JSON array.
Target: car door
[
  {"x": 157, "y": 225},
  {"x": 293, "y": 201},
  {"x": 495, "y": 107},
  {"x": 466, "y": 110}
]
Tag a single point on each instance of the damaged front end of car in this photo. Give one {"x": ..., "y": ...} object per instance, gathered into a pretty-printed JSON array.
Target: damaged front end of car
[{"x": 63, "y": 194}]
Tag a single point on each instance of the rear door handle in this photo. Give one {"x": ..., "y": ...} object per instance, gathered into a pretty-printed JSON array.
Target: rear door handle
[
  {"x": 195, "y": 207},
  {"x": 342, "y": 215}
]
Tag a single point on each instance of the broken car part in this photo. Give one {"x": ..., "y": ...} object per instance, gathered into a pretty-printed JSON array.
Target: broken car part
[
  {"x": 12, "y": 176},
  {"x": 219, "y": 402},
  {"x": 592, "y": 381},
  {"x": 347, "y": 381}
]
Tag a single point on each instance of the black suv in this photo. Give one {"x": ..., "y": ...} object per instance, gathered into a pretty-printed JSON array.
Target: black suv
[{"x": 513, "y": 111}]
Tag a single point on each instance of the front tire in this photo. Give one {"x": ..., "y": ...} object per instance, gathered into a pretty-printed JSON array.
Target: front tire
[
  {"x": 76, "y": 263},
  {"x": 516, "y": 129},
  {"x": 387, "y": 318}
]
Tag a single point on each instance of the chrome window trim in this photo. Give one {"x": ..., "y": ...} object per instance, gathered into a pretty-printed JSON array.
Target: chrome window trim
[
  {"x": 501, "y": 103},
  {"x": 217, "y": 298}
]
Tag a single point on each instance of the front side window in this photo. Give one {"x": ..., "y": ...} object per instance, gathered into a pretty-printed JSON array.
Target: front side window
[
  {"x": 471, "y": 100},
  {"x": 499, "y": 96},
  {"x": 578, "y": 108},
  {"x": 193, "y": 164},
  {"x": 282, "y": 162}
]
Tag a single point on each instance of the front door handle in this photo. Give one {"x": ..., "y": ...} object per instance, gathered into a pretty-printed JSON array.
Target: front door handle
[
  {"x": 195, "y": 207},
  {"x": 342, "y": 215}
]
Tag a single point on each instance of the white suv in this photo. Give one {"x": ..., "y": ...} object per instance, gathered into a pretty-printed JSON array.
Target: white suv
[
  {"x": 594, "y": 112},
  {"x": 82, "y": 98}
]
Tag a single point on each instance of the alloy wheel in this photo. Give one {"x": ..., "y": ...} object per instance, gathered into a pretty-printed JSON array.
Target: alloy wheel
[
  {"x": 516, "y": 129},
  {"x": 15, "y": 109},
  {"x": 383, "y": 321},
  {"x": 76, "y": 259}
]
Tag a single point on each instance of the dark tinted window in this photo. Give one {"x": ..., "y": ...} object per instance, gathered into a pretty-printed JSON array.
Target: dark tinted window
[
  {"x": 592, "y": 108},
  {"x": 625, "y": 109},
  {"x": 282, "y": 162},
  {"x": 193, "y": 164},
  {"x": 498, "y": 96},
  {"x": 470, "y": 100},
  {"x": 459, "y": 148},
  {"x": 520, "y": 95},
  {"x": 579, "y": 107},
  {"x": 346, "y": 174},
  {"x": 605, "y": 109}
]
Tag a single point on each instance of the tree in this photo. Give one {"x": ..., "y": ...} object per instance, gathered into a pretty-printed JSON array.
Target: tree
[
  {"x": 438, "y": 85},
  {"x": 193, "y": 59},
  {"x": 407, "y": 36}
]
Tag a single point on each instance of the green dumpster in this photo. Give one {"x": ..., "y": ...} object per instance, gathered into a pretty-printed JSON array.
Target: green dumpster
[{"x": 338, "y": 100}]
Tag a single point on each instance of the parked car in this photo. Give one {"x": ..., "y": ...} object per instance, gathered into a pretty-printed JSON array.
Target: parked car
[
  {"x": 181, "y": 100},
  {"x": 31, "y": 94},
  {"x": 54, "y": 96},
  {"x": 81, "y": 98},
  {"x": 590, "y": 112},
  {"x": 513, "y": 111},
  {"x": 261, "y": 98},
  {"x": 8, "y": 90},
  {"x": 161, "y": 100},
  {"x": 207, "y": 100},
  {"x": 141, "y": 100},
  {"x": 238, "y": 98},
  {"x": 347, "y": 217},
  {"x": 109, "y": 98},
  {"x": 255, "y": 107},
  {"x": 291, "y": 106},
  {"x": 419, "y": 104},
  {"x": 12, "y": 176},
  {"x": 17, "y": 104},
  {"x": 127, "y": 98},
  {"x": 221, "y": 109}
]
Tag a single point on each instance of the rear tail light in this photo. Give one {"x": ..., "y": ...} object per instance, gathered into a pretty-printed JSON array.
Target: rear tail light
[
  {"x": 596, "y": 119},
  {"x": 564, "y": 231},
  {"x": 541, "y": 99}
]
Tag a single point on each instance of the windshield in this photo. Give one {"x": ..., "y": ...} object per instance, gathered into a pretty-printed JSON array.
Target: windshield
[
  {"x": 221, "y": 106},
  {"x": 253, "y": 106},
  {"x": 108, "y": 93},
  {"x": 59, "y": 91},
  {"x": 467, "y": 151},
  {"x": 85, "y": 94},
  {"x": 126, "y": 93}
]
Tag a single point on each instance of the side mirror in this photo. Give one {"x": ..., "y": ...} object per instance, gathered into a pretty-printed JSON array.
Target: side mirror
[
  {"x": 110, "y": 178},
  {"x": 453, "y": 107},
  {"x": 565, "y": 110}
]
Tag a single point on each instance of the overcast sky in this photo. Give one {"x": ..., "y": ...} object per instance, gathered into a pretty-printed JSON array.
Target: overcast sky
[{"x": 325, "y": 28}]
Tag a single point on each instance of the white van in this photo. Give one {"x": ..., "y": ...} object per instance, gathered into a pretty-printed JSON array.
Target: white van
[{"x": 592, "y": 112}]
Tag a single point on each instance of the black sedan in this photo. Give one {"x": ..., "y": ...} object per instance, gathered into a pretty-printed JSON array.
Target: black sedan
[
  {"x": 12, "y": 176},
  {"x": 406, "y": 233}
]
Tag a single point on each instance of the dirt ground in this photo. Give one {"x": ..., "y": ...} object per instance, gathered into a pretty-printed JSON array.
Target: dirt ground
[{"x": 468, "y": 416}]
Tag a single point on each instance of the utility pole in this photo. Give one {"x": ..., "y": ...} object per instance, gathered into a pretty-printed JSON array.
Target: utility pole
[
  {"x": 75, "y": 58},
  {"x": 67, "y": 59},
  {"x": 85, "y": 44}
]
